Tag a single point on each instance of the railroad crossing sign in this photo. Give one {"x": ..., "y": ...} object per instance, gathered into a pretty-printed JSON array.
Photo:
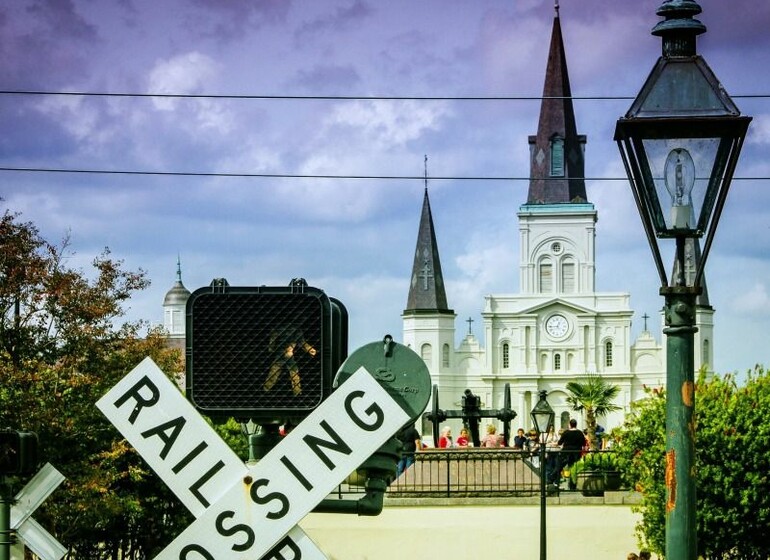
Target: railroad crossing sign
[
  {"x": 185, "y": 451},
  {"x": 37, "y": 539},
  {"x": 246, "y": 512}
]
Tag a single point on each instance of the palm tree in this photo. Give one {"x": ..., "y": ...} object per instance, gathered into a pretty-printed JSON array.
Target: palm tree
[{"x": 595, "y": 395}]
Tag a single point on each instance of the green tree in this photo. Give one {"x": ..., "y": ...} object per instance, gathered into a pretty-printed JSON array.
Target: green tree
[
  {"x": 732, "y": 466},
  {"x": 62, "y": 346},
  {"x": 594, "y": 395}
]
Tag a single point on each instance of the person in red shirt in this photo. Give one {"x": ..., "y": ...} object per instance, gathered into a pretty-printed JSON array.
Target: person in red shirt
[
  {"x": 462, "y": 439},
  {"x": 445, "y": 440}
]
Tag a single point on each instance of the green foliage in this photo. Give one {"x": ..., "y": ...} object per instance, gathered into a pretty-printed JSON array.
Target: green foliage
[
  {"x": 641, "y": 449},
  {"x": 230, "y": 431},
  {"x": 595, "y": 395},
  {"x": 599, "y": 462},
  {"x": 62, "y": 347},
  {"x": 732, "y": 466}
]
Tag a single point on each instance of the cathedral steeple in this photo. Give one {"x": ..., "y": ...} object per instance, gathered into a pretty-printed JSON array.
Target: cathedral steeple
[
  {"x": 557, "y": 165},
  {"x": 426, "y": 291}
]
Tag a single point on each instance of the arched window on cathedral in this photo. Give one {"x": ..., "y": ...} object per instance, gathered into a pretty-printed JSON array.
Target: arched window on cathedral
[
  {"x": 568, "y": 276},
  {"x": 506, "y": 358},
  {"x": 608, "y": 354},
  {"x": 557, "y": 156},
  {"x": 546, "y": 276},
  {"x": 706, "y": 358},
  {"x": 557, "y": 362},
  {"x": 445, "y": 355},
  {"x": 426, "y": 353}
]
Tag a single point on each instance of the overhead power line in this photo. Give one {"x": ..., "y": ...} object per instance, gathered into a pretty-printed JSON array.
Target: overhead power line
[
  {"x": 342, "y": 97},
  {"x": 313, "y": 176}
]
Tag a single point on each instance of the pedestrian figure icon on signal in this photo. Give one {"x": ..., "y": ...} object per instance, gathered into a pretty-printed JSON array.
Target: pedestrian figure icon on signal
[{"x": 284, "y": 346}]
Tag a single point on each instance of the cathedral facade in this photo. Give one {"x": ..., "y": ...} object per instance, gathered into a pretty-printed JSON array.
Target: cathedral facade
[{"x": 557, "y": 328}]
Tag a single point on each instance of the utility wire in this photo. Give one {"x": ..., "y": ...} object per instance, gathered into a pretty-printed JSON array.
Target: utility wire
[
  {"x": 343, "y": 97},
  {"x": 315, "y": 176}
]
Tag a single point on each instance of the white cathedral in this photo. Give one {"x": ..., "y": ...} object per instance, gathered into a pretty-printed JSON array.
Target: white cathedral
[{"x": 558, "y": 327}]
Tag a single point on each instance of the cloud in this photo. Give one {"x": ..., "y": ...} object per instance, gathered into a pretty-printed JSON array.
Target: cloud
[
  {"x": 387, "y": 124},
  {"x": 759, "y": 131},
  {"x": 232, "y": 19},
  {"x": 755, "y": 302},
  {"x": 185, "y": 73},
  {"x": 44, "y": 42},
  {"x": 329, "y": 78},
  {"x": 341, "y": 19},
  {"x": 190, "y": 73}
]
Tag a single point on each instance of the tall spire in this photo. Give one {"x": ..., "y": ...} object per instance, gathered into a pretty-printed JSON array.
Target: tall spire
[
  {"x": 426, "y": 291},
  {"x": 557, "y": 165}
]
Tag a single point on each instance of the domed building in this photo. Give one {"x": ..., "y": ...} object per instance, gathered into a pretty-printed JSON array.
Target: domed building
[{"x": 174, "y": 305}]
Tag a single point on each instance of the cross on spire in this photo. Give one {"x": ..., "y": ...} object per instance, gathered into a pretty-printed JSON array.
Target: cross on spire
[
  {"x": 425, "y": 274},
  {"x": 645, "y": 317},
  {"x": 469, "y": 320}
]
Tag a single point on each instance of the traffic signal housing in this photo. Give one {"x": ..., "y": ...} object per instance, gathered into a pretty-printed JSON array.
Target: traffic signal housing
[
  {"x": 18, "y": 452},
  {"x": 263, "y": 353}
]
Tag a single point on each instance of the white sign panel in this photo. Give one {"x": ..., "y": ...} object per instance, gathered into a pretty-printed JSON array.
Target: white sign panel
[
  {"x": 295, "y": 476},
  {"x": 181, "y": 447},
  {"x": 39, "y": 541},
  {"x": 153, "y": 415}
]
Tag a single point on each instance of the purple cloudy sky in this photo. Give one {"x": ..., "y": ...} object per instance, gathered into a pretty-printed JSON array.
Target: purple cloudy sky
[{"x": 355, "y": 238}]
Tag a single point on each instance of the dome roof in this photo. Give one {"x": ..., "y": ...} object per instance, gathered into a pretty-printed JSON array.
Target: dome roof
[{"x": 178, "y": 294}]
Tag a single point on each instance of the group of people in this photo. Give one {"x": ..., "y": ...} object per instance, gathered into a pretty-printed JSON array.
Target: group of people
[
  {"x": 491, "y": 439},
  {"x": 643, "y": 555},
  {"x": 565, "y": 448}
]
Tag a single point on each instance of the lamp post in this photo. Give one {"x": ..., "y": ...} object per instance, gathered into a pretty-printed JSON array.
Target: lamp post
[
  {"x": 680, "y": 142},
  {"x": 542, "y": 418}
]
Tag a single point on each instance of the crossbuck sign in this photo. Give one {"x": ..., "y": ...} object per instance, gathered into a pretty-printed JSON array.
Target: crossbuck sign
[
  {"x": 249, "y": 512},
  {"x": 39, "y": 541}
]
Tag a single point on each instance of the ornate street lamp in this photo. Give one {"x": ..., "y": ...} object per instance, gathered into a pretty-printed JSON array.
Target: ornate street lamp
[
  {"x": 542, "y": 418},
  {"x": 680, "y": 142}
]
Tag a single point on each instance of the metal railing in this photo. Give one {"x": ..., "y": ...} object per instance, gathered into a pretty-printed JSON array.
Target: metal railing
[{"x": 476, "y": 472}]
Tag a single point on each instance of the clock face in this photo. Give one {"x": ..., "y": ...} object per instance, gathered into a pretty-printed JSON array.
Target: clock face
[{"x": 557, "y": 326}]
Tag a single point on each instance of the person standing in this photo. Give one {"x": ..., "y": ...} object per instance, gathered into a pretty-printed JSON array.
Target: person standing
[
  {"x": 571, "y": 442},
  {"x": 410, "y": 442}
]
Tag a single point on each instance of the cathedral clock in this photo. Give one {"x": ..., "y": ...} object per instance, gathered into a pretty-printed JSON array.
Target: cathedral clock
[{"x": 557, "y": 326}]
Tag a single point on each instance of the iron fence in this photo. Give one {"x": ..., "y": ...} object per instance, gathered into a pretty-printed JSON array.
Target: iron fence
[{"x": 471, "y": 472}]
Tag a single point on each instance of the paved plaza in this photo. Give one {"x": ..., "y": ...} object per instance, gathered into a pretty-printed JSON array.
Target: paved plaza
[{"x": 576, "y": 532}]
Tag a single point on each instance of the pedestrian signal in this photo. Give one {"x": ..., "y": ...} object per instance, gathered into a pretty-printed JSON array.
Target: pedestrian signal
[
  {"x": 262, "y": 353},
  {"x": 18, "y": 452}
]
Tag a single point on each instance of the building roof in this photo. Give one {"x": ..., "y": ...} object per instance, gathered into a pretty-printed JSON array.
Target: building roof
[
  {"x": 426, "y": 290},
  {"x": 178, "y": 294},
  {"x": 557, "y": 122}
]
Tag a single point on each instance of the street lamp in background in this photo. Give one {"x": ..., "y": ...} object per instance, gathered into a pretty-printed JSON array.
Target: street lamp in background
[
  {"x": 542, "y": 418},
  {"x": 680, "y": 142}
]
